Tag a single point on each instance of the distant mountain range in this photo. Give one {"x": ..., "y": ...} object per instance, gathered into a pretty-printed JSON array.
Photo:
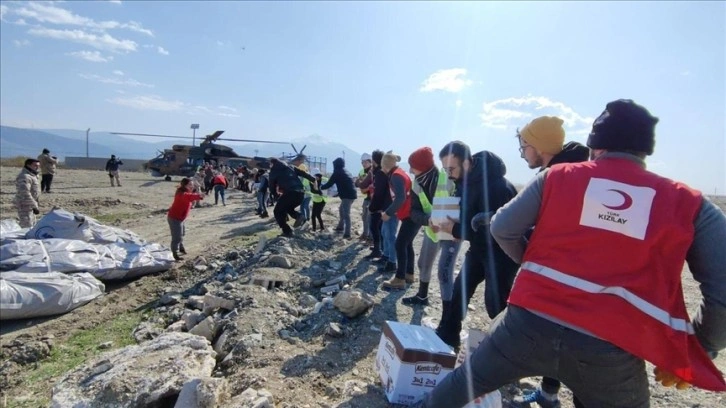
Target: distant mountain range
[{"x": 64, "y": 142}]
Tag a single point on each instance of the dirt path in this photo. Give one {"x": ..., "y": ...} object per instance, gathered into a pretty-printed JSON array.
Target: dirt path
[{"x": 140, "y": 206}]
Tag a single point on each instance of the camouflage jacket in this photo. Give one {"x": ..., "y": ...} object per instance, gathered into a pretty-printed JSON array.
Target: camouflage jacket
[
  {"x": 47, "y": 164},
  {"x": 28, "y": 189}
]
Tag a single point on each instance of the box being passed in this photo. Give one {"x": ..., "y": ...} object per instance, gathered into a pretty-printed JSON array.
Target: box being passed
[
  {"x": 444, "y": 207},
  {"x": 410, "y": 361}
]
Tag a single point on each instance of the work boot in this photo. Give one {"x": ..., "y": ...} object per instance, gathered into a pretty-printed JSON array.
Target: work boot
[
  {"x": 410, "y": 278},
  {"x": 176, "y": 256},
  {"x": 537, "y": 396},
  {"x": 374, "y": 254},
  {"x": 395, "y": 283},
  {"x": 182, "y": 250}
]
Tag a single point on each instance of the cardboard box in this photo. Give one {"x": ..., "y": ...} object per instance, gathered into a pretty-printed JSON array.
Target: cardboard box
[
  {"x": 444, "y": 207},
  {"x": 492, "y": 399},
  {"x": 410, "y": 361}
]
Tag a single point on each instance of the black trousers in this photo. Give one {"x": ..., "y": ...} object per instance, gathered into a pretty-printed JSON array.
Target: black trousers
[
  {"x": 318, "y": 214},
  {"x": 404, "y": 247},
  {"x": 286, "y": 206},
  {"x": 482, "y": 262},
  {"x": 376, "y": 223},
  {"x": 45, "y": 182}
]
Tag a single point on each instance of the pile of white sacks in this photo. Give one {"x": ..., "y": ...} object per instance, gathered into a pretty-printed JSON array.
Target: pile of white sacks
[{"x": 60, "y": 263}]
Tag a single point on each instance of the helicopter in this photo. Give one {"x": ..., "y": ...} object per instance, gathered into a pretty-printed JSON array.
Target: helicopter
[{"x": 184, "y": 160}]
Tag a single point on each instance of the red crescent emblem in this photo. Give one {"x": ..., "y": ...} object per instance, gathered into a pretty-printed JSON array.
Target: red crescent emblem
[{"x": 627, "y": 201}]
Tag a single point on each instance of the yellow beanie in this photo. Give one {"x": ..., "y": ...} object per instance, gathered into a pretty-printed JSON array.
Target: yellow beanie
[
  {"x": 545, "y": 134},
  {"x": 303, "y": 167}
]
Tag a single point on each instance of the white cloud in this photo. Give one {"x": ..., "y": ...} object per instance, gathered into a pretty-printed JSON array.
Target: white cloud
[
  {"x": 3, "y": 11},
  {"x": 514, "y": 112},
  {"x": 115, "y": 1},
  {"x": 221, "y": 110},
  {"x": 93, "y": 56},
  {"x": 49, "y": 13},
  {"x": 148, "y": 102},
  {"x": 226, "y": 108},
  {"x": 162, "y": 51},
  {"x": 102, "y": 42},
  {"x": 114, "y": 81},
  {"x": 21, "y": 43},
  {"x": 118, "y": 72},
  {"x": 448, "y": 80}
]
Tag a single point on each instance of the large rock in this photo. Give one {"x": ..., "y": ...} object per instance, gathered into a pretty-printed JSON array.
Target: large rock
[
  {"x": 137, "y": 376},
  {"x": 353, "y": 303}
]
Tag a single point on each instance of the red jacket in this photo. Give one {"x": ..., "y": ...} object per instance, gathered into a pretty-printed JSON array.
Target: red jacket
[
  {"x": 182, "y": 204},
  {"x": 405, "y": 209},
  {"x": 219, "y": 179},
  {"x": 607, "y": 256}
]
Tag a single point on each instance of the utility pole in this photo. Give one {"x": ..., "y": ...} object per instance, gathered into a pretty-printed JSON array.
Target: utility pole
[
  {"x": 194, "y": 128},
  {"x": 87, "y": 132}
]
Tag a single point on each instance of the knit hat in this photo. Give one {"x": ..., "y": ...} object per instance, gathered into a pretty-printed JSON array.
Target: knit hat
[
  {"x": 365, "y": 156},
  {"x": 390, "y": 159},
  {"x": 422, "y": 159},
  {"x": 303, "y": 167},
  {"x": 46, "y": 151},
  {"x": 624, "y": 125},
  {"x": 544, "y": 134},
  {"x": 376, "y": 156}
]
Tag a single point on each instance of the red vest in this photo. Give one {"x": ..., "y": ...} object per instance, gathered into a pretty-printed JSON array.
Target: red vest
[
  {"x": 405, "y": 209},
  {"x": 607, "y": 256}
]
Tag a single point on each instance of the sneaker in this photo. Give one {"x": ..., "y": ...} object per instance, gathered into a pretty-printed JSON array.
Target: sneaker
[
  {"x": 415, "y": 300},
  {"x": 373, "y": 255},
  {"x": 388, "y": 267},
  {"x": 524, "y": 401},
  {"x": 345, "y": 236},
  {"x": 182, "y": 250},
  {"x": 299, "y": 221},
  {"x": 177, "y": 257}
]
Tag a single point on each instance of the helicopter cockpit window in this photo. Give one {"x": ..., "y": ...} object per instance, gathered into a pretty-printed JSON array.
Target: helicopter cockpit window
[{"x": 170, "y": 157}]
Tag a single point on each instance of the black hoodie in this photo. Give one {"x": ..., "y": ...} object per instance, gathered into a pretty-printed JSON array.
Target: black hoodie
[
  {"x": 572, "y": 152},
  {"x": 287, "y": 178},
  {"x": 482, "y": 189},
  {"x": 342, "y": 179}
]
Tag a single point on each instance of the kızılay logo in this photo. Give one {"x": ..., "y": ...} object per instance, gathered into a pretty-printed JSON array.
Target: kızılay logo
[
  {"x": 627, "y": 201},
  {"x": 428, "y": 368}
]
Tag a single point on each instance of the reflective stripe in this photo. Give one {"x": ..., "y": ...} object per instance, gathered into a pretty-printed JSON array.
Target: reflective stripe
[{"x": 639, "y": 303}]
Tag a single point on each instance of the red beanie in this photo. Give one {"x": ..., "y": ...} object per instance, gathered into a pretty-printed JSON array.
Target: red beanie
[{"x": 422, "y": 159}]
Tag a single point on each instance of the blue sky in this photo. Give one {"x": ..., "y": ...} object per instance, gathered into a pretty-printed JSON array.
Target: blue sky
[{"x": 373, "y": 74}]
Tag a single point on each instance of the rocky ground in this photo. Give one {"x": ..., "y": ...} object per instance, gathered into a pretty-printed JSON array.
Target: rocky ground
[{"x": 255, "y": 295}]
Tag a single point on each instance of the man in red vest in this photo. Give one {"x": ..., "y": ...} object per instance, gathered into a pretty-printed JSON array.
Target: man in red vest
[{"x": 599, "y": 291}]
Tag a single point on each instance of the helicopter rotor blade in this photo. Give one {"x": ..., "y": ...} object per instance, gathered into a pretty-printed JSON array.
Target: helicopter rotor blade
[
  {"x": 149, "y": 135},
  {"x": 303, "y": 149},
  {"x": 252, "y": 141}
]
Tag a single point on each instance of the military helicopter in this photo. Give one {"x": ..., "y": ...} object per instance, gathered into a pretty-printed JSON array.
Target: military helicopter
[{"x": 184, "y": 160}]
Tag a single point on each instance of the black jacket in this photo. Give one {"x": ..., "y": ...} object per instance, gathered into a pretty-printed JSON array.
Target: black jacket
[
  {"x": 342, "y": 179},
  {"x": 381, "y": 198},
  {"x": 572, "y": 152},
  {"x": 287, "y": 178},
  {"x": 482, "y": 189},
  {"x": 427, "y": 182}
]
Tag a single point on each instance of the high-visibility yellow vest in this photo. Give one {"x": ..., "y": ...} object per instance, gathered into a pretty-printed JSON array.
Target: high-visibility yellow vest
[
  {"x": 318, "y": 198},
  {"x": 443, "y": 189},
  {"x": 306, "y": 186}
]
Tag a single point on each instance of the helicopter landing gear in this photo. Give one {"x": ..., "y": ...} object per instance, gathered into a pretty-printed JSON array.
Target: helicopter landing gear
[{"x": 167, "y": 178}]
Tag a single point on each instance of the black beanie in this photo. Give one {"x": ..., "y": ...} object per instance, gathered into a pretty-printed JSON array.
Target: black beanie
[
  {"x": 377, "y": 155},
  {"x": 624, "y": 125}
]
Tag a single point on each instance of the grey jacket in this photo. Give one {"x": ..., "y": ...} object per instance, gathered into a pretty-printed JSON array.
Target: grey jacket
[{"x": 706, "y": 258}]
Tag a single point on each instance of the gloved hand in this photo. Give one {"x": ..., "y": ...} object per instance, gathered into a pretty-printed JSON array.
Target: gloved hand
[
  {"x": 36, "y": 211},
  {"x": 669, "y": 379},
  {"x": 483, "y": 219}
]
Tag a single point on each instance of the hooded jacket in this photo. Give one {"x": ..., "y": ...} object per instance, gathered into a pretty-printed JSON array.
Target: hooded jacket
[
  {"x": 487, "y": 171},
  {"x": 572, "y": 152},
  {"x": 287, "y": 178},
  {"x": 342, "y": 179},
  {"x": 381, "y": 195}
]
